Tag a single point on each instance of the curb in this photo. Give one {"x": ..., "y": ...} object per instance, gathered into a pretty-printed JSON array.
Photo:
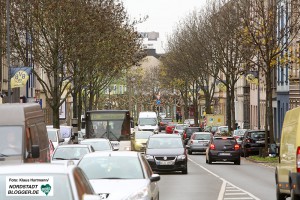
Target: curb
[{"x": 266, "y": 164}]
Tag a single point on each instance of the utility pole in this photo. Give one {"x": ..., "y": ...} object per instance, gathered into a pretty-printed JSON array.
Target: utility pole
[{"x": 258, "y": 100}]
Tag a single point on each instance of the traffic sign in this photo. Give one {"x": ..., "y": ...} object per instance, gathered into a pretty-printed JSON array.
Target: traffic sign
[{"x": 157, "y": 101}]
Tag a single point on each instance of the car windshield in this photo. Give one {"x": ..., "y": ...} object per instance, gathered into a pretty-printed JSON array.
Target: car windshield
[
  {"x": 98, "y": 145},
  {"x": 11, "y": 140},
  {"x": 165, "y": 143},
  {"x": 112, "y": 167},
  {"x": 147, "y": 121},
  {"x": 202, "y": 137},
  {"x": 52, "y": 135},
  {"x": 223, "y": 129},
  {"x": 258, "y": 135},
  {"x": 58, "y": 187},
  {"x": 143, "y": 135},
  {"x": 69, "y": 153},
  {"x": 166, "y": 120}
]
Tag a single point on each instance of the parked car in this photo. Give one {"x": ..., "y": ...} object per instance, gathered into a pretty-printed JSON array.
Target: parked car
[
  {"x": 120, "y": 175},
  {"x": 188, "y": 131},
  {"x": 139, "y": 140},
  {"x": 238, "y": 133},
  {"x": 223, "y": 148},
  {"x": 170, "y": 127},
  {"x": 163, "y": 123},
  {"x": 51, "y": 181},
  {"x": 70, "y": 152},
  {"x": 252, "y": 142},
  {"x": 100, "y": 144},
  {"x": 178, "y": 129},
  {"x": 54, "y": 136},
  {"x": 198, "y": 142},
  {"x": 166, "y": 152}
]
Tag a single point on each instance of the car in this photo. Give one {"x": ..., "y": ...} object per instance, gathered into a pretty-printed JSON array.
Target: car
[
  {"x": 252, "y": 142},
  {"x": 190, "y": 122},
  {"x": 188, "y": 131},
  {"x": 223, "y": 148},
  {"x": 44, "y": 181},
  {"x": 213, "y": 129},
  {"x": 221, "y": 130},
  {"x": 120, "y": 175},
  {"x": 198, "y": 142},
  {"x": 66, "y": 132},
  {"x": 166, "y": 152},
  {"x": 238, "y": 133},
  {"x": 70, "y": 152},
  {"x": 163, "y": 123},
  {"x": 170, "y": 127},
  {"x": 54, "y": 136},
  {"x": 178, "y": 129},
  {"x": 139, "y": 140},
  {"x": 162, "y": 115},
  {"x": 100, "y": 144}
]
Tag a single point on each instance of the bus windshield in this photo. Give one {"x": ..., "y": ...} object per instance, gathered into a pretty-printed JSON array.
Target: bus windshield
[{"x": 111, "y": 124}]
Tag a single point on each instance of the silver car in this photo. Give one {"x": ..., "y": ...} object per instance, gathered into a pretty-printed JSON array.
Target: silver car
[
  {"x": 179, "y": 128},
  {"x": 119, "y": 175},
  {"x": 70, "y": 152},
  {"x": 44, "y": 182},
  {"x": 198, "y": 142}
]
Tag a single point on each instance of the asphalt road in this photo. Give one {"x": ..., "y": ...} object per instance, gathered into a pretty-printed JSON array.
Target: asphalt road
[{"x": 219, "y": 181}]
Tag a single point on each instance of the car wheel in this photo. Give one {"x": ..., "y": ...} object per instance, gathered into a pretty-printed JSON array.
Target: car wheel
[
  {"x": 245, "y": 153},
  {"x": 209, "y": 160},
  {"x": 279, "y": 196},
  {"x": 190, "y": 152},
  {"x": 185, "y": 171},
  {"x": 237, "y": 162},
  {"x": 294, "y": 196}
]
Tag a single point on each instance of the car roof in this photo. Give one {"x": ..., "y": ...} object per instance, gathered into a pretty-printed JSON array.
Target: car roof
[
  {"x": 199, "y": 133},
  {"x": 113, "y": 153},
  {"x": 73, "y": 145},
  {"x": 162, "y": 135},
  {"x": 95, "y": 139},
  {"x": 223, "y": 137},
  {"x": 36, "y": 168}
]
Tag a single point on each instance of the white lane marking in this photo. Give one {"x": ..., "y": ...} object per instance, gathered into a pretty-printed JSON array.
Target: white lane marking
[
  {"x": 222, "y": 191},
  {"x": 240, "y": 198}
]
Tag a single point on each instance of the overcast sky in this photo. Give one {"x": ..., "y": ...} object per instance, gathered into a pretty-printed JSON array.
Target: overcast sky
[{"x": 163, "y": 14}]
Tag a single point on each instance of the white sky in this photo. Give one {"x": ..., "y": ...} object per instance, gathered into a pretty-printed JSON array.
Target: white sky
[{"x": 164, "y": 15}]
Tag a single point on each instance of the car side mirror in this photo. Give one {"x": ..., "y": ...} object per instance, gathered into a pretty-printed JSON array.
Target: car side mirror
[
  {"x": 155, "y": 177},
  {"x": 61, "y": 139}
]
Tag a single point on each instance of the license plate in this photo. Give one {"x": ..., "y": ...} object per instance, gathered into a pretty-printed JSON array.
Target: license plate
[
  {"x": 224, "y": 154},
  {"x": 260, "y": 142},
  {"x": 169, "y": 162}
]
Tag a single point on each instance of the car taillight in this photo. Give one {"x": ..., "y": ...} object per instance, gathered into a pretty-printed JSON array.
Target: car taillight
[
  {"x": 184, "y": 136},
  {"x": 212, "y": 147},
  {"x": 176, "y": 132},
  {"x": 248, "y": 140},
  {"x": 298, "y": 159},
  {"x": 236, "y": 147}
]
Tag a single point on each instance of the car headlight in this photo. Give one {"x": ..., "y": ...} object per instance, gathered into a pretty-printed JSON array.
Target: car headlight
[
  {"x": 142, "y": 194},
  {"x": 148, "y": 157},
  {"x": 181, "y": 157}
]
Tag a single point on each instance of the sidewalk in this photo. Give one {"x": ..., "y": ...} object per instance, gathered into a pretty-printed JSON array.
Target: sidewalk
[{"x": 266, "y": 164}]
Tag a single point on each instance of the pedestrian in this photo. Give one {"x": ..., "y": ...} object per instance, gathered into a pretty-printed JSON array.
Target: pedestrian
[{"x": 177, "y": 116}]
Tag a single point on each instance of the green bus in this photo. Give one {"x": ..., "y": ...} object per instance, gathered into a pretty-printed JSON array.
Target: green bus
[{"x": 114, "y": 125}]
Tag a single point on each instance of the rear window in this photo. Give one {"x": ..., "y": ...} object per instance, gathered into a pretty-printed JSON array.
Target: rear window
[
  {"x": 192, "y": 130},
  {"x": 202, "y": 137},
  {"x": 258, "y": 135},
  {"x": 222, "y": 142},
  {"x": 166, "y": 120}
]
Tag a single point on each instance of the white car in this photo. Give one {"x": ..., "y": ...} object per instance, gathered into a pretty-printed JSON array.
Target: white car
[
  {"x": 70, "y": 152},
  {"x": 101, "y": 144},
  {"x": 120, "y": 175},
  {"x": 46, "y": 181}
]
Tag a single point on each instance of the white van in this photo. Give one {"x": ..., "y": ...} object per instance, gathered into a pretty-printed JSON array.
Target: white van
[{"x": 148, "y": 121}]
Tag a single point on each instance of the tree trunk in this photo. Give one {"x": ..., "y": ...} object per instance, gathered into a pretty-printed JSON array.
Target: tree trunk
[
  {"x": 228, "y": 109},
  {"x": 207, "y": 103}
]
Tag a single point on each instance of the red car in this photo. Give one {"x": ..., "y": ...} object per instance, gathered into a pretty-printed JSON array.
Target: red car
[{"x": 170, "y": 127}]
